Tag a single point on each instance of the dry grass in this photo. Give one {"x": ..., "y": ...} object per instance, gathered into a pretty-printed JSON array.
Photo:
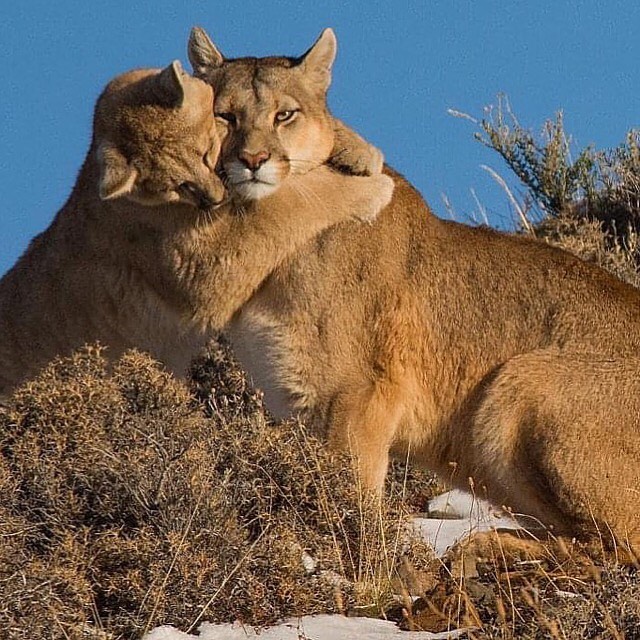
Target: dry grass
[
  {"x": 124, "y": 505},
  {"x": 506, "y": 588}
]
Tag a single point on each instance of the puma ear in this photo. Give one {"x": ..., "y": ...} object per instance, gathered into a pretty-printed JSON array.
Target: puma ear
[
  {"x": 170, "y": 84},
  {"x": 117, "y": 176},
  {"x": 318, "y": 60},
  {"x": 203, "y": 54}
]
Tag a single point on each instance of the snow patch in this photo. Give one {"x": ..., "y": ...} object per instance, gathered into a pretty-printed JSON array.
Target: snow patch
[
  {"x": 454, "y": 515},
  {"x": 320, "y": 627}
]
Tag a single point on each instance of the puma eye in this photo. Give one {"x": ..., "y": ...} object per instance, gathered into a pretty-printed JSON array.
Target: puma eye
[
  {"x": 286, "y": 116},
  {"x": 189, "y": 188},
  {"x": 227, "y": 116}
]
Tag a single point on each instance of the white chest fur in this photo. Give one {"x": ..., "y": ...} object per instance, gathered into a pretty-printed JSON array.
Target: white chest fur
[{"x": 260, "y": 344}]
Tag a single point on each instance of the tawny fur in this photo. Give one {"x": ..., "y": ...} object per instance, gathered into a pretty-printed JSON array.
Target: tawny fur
[
  {"x": 481, "y": 355},
  {"x": 139, "y": 256}
]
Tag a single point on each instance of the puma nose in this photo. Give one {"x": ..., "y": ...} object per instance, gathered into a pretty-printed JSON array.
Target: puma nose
[{"x": 254, "y": 161}]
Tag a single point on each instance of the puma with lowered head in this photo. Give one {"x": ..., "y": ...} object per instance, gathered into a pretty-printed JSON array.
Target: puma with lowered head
[{"x": 146, "y": 253}]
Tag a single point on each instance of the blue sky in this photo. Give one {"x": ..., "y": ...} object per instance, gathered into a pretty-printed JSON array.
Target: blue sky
[{"x": 400, "y": 67}]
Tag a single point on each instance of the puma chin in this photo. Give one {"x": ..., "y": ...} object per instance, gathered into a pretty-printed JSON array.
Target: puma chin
[{"x": 251, "y": 184}]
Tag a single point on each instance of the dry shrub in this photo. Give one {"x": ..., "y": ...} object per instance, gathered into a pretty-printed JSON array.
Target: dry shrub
[
  {"x": 124, "y": 505},
  {"x": 586, "y": 202},
  {"x": 561, "y": 590},
  {"x": 585, "y": 237},
  {"x": 555, "y": 596}
]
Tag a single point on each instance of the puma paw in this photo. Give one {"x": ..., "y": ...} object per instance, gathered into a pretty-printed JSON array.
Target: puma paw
[
  {"x": 381, "y": 191},
  {"x": 366, "y": 160}
]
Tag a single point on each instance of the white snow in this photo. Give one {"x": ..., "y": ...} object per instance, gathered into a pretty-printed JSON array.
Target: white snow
[
  {"x": 320, "y": 627},
  {"x": 452, "y": 517}
]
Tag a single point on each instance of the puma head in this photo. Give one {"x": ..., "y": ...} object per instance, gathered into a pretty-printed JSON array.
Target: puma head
[
  {"x": 274, "y": 111},
  {"x": 155, "y": 139}
]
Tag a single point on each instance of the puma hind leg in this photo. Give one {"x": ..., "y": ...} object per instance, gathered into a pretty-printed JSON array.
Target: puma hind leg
[{"x": 557, "y": 437}]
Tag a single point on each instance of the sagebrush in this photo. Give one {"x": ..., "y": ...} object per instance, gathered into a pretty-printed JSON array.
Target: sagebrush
[
  {"x": 128, "y": 502},
  {"x": 586, "y": 201}
]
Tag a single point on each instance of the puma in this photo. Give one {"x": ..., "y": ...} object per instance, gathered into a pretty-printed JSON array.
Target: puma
[
  {"x": 146, "y": 253},
  {"x": 479, "y": 354}
]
